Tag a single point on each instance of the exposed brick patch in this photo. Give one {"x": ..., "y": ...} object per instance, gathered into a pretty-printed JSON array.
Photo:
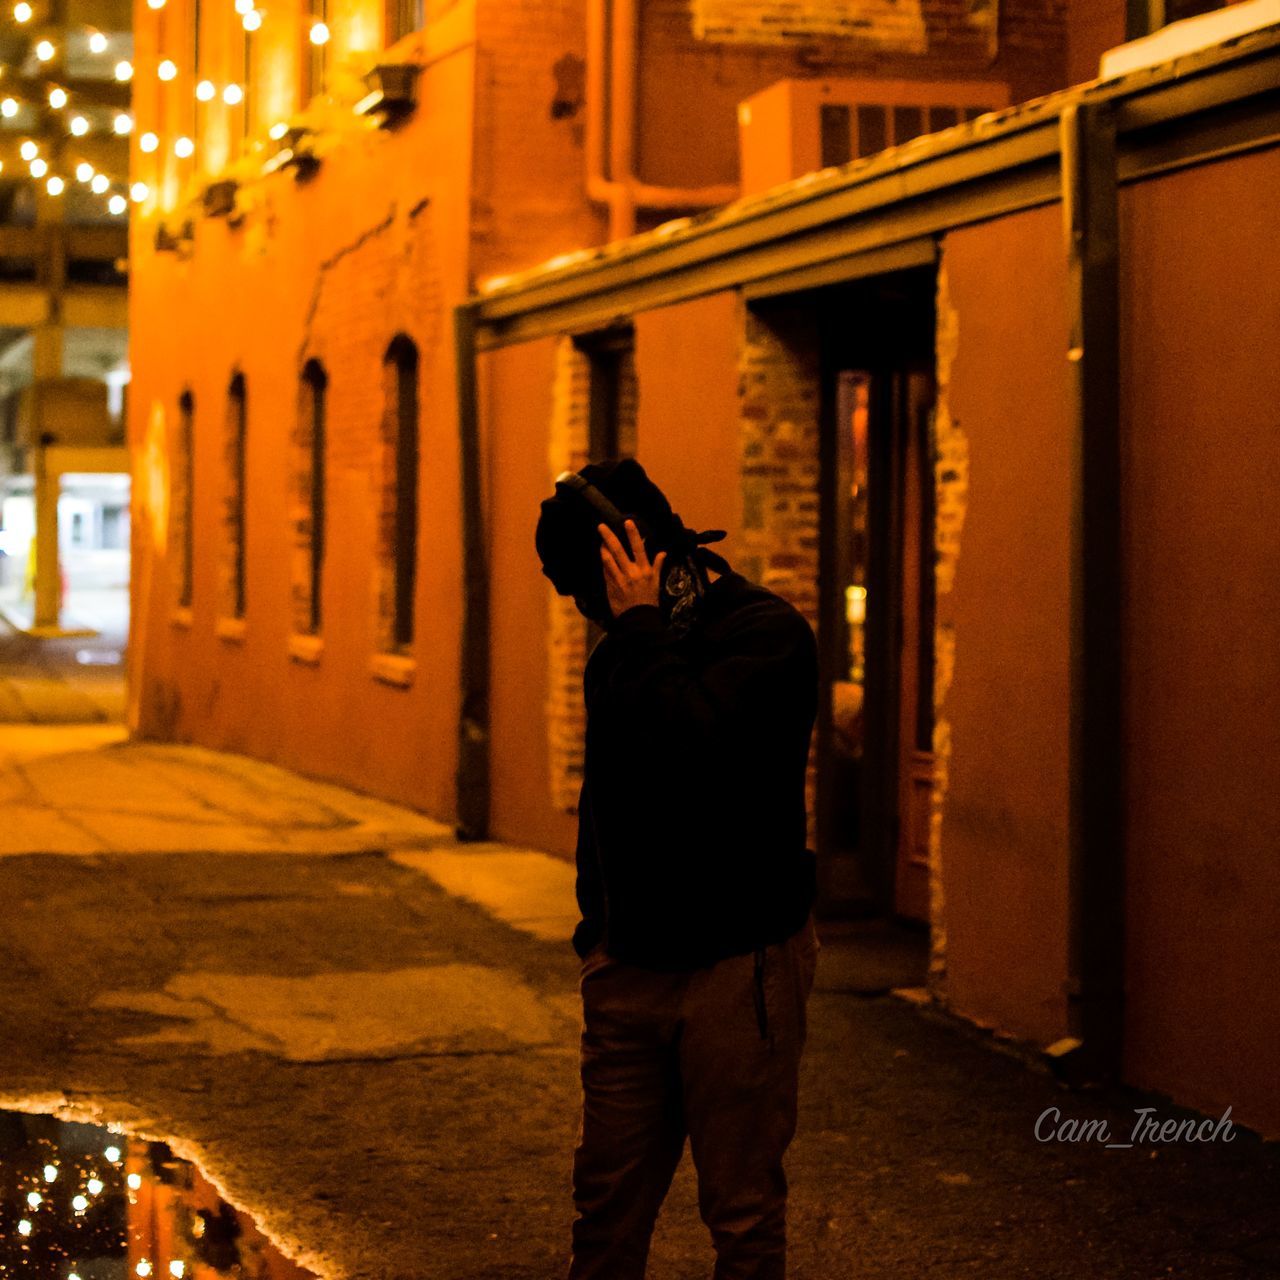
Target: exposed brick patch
[
  {"x": 951, "y": 473},
  {"x": 778, "y": 408},
  {"x": 886, "y": 24}
]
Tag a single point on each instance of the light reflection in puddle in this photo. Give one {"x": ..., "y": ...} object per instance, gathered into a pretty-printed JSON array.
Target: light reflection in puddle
[{"x": 82, "y": 1201}]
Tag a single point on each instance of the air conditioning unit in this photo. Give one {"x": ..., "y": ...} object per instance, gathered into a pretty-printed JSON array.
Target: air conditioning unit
[{"x": 796, "y": 126}]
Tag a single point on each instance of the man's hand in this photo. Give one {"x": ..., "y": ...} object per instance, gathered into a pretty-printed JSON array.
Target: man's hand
[{"x": 629, "y": 579}]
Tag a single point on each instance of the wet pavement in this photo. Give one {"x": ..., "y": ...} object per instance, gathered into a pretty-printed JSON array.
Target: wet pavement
[{"x": 364, "y": 1036}]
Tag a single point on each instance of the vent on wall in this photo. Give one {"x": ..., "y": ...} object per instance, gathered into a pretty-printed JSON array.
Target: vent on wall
[
  {"x": 796, "y": 126},
  {"x": 848, "y": 132}
]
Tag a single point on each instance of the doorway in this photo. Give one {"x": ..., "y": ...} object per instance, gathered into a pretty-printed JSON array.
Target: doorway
[{"x": 876, "y": 595}]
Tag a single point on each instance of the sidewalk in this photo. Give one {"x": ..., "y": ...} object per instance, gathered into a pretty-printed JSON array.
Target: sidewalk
[{"x": 367, "y": 1034}]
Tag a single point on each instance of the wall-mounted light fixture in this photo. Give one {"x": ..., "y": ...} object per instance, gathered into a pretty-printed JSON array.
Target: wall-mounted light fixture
[
  {"x": 294, "y": 151},
  {"x": 392, "y": 91},
  {"x": 219, "y": 199}
]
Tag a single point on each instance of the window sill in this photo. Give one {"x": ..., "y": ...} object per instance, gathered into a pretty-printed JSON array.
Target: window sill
[
  {"x": 305, "y": 648},
  {"x": 232, "y": 629},
  {"x": 393, "y": 668},
  {"x": 181, "y": 616}
]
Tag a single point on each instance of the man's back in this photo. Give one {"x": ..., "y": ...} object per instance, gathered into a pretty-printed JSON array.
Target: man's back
[{"x": 691, "y": 843}]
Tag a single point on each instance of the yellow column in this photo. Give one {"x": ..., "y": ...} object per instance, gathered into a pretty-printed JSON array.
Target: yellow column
[{"x": 48, "y": 603}]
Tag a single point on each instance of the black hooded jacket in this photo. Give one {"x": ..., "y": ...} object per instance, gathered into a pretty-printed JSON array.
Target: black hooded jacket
[{"x": 691, "y": 822}]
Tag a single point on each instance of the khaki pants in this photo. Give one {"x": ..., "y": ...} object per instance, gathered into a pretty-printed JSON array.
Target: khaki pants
[{"x": 713, "y": 1055}]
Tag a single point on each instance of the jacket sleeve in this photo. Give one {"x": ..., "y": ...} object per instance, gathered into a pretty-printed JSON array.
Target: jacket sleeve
[{"x": 764, "y": 673}]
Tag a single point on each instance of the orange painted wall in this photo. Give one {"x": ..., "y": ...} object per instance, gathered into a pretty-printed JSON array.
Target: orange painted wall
[
  {"x": 688, "y": 437},
  {"x": 375, "y": 244},
  {"x": 1201, "y": 324},
  {"x": 516, "y": 388},
  {"x": 1004, "y": 828}
]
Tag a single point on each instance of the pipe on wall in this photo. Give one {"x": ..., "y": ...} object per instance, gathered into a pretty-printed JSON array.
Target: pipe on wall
[{"x": 612, "y": 94}]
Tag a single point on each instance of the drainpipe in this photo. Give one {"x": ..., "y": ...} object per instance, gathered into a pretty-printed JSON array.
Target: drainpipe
[
  {"x": 1096, "y": 875},
  {"x": 472, "y": 781},
  {"x": 612, "y": 57}
]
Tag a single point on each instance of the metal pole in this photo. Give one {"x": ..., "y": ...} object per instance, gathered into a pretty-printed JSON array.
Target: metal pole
[
  {"x": 473, "y": 720},
  {"x": 1096, "y": 887}
]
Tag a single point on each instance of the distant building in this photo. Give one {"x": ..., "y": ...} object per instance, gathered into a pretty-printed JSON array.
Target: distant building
[{"x": 975, "y": 386}]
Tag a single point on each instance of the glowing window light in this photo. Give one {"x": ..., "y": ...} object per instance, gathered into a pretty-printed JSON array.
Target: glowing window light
[
  {"x": 205, "y": 91},
  {"x": 51, "y": 1173},
  {"x": 22, "y": 12},
  {"x": 252, "y": 20},
  {"x": 39, "y": 168},
  {"x": 97, "y": 43},
  {"x": 183, "y": 147},
  {"x": 123, "y": 123},
  {"x": 84, "y": 172},
  {"x": 9, "y": 107},
  {"x": 139, "y": 191},
  {"x": 99, "y": 184},
  {"x": 79, "y": 126},
  {"x": 232, "y": 94},
  {"x": 149, "y": 141},
  {"x": 124, "y": 69},
  {"x": 45, "y": 50},
  {"x": 57, "y": 99},
  {"x": 117, "y": 204},
  {"x": 167, "y": 69},
  {"x": 28, "y": 150}
]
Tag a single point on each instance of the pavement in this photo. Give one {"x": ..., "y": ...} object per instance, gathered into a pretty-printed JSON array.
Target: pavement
[{"x": 366, "y": 1035}]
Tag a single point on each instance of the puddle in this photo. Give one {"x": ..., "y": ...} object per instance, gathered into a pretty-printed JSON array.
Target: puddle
[{"x": 87, "y": 1202}]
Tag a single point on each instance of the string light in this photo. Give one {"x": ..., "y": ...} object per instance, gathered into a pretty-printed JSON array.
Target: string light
[
  {"x": 244, "y": 6},
  {"x": 45, "y": 50},
  {"x": 39, "y": 168},
  {"x": 22, "y": 12},
  {"x": 135, "y": 1179},
  {"x": 123, "y": 123},
  {"x": 97, "y": 43},
  {"x": 57, "y": 99},
  {"x": 232, "y": 94},
  {"x": 183, "y": 147},
  {"x": 155, "y": 4},
  {"x": 9, "y": 108},
  {"x": 177, "y": 1268},
  {"x": 84, "y": 171},
  {"x": 319, "y": 33},
  {"x": 117, "y": 205},
  {"x": 99, "y": 184},
  {"x": 79, "y": 126},
  {"x": 277, "y": 130},
  {"x": 51, "y": 1173},
  {"x": 124, "y": 70},
  {"x": 148, "y": 141},
  {"x": 94, "y": 1185},
  {"x": 167, "y": 69},
  {"x": 205, "y": 90},
  {"x": 143, "y": 1268},
  {"x": 24, "y": 1227},
  {"x": 252, "y": 20},
  {"x": 28, "y": 150},
  {"x": 112, "y": 1153},
  {"x": 54, "y": 187},
  {"x": 34, "y": 1198}
]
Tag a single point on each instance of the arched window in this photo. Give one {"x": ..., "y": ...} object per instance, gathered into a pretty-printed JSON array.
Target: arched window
[
  {"x": 308, "y": 499},
  {"x": 233, "y": 518},
  {"x": 182, "y": 501},
  {"x": 398, "y": 534}
]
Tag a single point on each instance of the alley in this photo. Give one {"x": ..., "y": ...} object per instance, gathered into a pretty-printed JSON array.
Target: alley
[{"x": 365, "y": 1034}]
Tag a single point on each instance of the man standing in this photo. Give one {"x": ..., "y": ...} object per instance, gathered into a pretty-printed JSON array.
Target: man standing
[{"x": 694, "y": 882}]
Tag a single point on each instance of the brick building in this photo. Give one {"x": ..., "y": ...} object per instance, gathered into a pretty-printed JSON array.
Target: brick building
[{"x": 874, "y": 376}]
